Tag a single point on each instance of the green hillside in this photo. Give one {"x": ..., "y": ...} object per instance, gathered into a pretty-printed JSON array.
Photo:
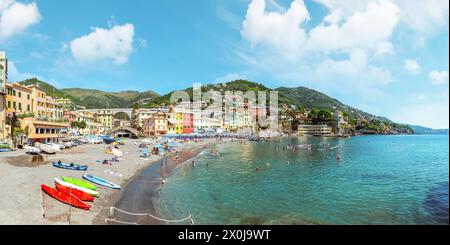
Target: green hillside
[{"x": 93, "y": 99}]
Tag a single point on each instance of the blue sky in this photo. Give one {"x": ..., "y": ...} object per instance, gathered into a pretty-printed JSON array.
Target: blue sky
[{"x": 387, "y": 57}]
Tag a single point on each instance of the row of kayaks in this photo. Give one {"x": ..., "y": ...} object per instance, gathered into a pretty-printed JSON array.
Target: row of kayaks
[{"x": 73, "y": 191}]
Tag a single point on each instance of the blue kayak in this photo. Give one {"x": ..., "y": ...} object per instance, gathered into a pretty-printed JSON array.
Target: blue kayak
[
  {"x": 70, "y": 166},
  {"x": 108, "y": 140},
  {"x": 100, "y": 181}
]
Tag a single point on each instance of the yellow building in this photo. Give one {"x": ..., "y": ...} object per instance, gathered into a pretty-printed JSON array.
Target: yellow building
[
  {"x": 105, "y": 119},
  {"x": 179, "y": 125},
  {"x": 18, "y": 99}
]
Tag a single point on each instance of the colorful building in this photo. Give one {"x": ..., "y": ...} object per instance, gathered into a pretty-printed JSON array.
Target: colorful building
[
  {"x": 187, "y": 122},
  {"x": 155, "y": 125},
  {"x": 179, "y": 122}
]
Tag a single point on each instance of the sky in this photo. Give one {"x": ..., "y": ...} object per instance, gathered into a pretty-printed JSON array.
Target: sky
[{"x": 386, "y": 57}]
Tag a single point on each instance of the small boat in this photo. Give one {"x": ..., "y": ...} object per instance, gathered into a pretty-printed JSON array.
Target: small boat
[
  {"x": 83, "y": 196},
  {"x": 79, "y": 182},
  {"x": 88, "y": 191},
  {"x": 65, "y": 197},
  {"x": 32, "y": 150},
  {"x": 54, "y": 146},
  {"x": 70, "y": 166},
  {"x": 109, "y": 140},
  {"x": 100, "y": 181},
  {"x": 68, "y": 144},
  {"x": 45, "y": 148}
]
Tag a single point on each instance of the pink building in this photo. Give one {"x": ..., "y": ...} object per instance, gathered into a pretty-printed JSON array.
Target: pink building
[{"x": 188, "y": 123}]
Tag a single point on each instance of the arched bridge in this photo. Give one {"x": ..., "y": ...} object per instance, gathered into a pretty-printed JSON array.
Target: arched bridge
[{"x": 132, "y": 131}]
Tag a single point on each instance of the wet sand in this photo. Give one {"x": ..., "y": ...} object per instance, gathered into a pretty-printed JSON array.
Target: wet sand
[{"x": 142, "y": 191}]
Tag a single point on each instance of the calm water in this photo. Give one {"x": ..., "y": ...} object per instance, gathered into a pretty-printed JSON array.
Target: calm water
[{"x": 379, "y": 180}]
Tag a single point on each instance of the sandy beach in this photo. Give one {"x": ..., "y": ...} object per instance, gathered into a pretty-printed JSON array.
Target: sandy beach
[{"x": 27, "y": 204}]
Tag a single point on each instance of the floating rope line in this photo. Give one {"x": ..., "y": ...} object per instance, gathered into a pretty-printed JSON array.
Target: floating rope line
[{"x": 189, "y": 218}]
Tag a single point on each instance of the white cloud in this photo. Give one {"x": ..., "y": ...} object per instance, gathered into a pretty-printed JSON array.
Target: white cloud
[
  {"x": 412, "y": 66},
  {"x": 421, "y": 16},
  {"x": 384, "y": 48},
  {"x": 358, "y": 30},
  {"x": 273, "y": 30},
  {"x": 355, "y": 69},
  {"x": 424, "y": 16},
  {"x": 229, "y": 78},
  {"x": 104, "y": 44},
  {"x": 433, "y": 113},
  {"x": 16, "y": 17},
  {"x": 438, "y": 77}
]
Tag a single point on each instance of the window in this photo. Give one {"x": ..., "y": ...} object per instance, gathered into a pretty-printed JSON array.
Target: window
[
  {"x": 28, "y": 96},
  {"x": 14, "y": 104},
  {"x": 14, "y": 92},
  {"x": 9, "y": 104},
  {"x": 20, "y": 106},
  {"x": 20, "y": 94}
]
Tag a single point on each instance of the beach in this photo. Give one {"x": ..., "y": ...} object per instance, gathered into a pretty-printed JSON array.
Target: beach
[{"x": 21, "y": 181}]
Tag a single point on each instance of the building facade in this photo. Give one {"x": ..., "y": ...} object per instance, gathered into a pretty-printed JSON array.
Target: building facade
[
  {"x": 155, "y": 125},
  {"x": 316, "y": 130},
  {"x": 43, "y": 131}
]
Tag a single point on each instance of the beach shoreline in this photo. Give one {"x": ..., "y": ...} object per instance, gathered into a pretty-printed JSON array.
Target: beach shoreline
[
  {"x": 27, "y": 204},
  {"x": 142, "y": 201}
]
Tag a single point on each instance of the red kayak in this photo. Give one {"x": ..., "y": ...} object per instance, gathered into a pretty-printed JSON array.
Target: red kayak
[
  {"x": 65, "y": 197},
  {"x": 83, "y": 196}
]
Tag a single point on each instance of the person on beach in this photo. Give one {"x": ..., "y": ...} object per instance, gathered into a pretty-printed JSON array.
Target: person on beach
[{"x": 193, "y": 163}]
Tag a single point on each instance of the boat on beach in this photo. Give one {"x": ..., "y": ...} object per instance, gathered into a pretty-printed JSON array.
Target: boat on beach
[
  {"x": 88, "y": 191},
  {"x": 32, "y": 150},
  {"x": 101, "y": 181},
  {"x": 83, "y": 196},
  {"x": 70, "y": 166},
  {"x": 79, "y": 182},
  {"x": 45, "y": 148},
  {"x": 65, "y": 197}
]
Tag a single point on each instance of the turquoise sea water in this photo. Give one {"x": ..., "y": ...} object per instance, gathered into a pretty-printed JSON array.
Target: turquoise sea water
[{"x": 379, "y": 180}]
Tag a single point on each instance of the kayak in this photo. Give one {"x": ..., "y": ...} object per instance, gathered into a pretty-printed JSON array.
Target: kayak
[
  {"x": 100, "y": 181},
  {"x": 109, "y": 140},
  {"x": 65, "y": 197},
  {"x": 79, "y": 182},
  {"x": 83, "y": 196},
  {"x": 70, "y": 166},
  {"x": 88, "y": 191}
]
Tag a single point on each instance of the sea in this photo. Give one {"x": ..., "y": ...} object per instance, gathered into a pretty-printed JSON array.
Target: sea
[{"x": 398, "y": 179}]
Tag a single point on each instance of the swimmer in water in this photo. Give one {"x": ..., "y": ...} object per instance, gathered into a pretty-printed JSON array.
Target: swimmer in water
[
  {"x": 338, "y": 157},
  {"x": 257, "y": 169}
]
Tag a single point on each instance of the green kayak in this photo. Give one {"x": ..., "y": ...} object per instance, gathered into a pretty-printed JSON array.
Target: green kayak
[{"x": 79, "y": 182}]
